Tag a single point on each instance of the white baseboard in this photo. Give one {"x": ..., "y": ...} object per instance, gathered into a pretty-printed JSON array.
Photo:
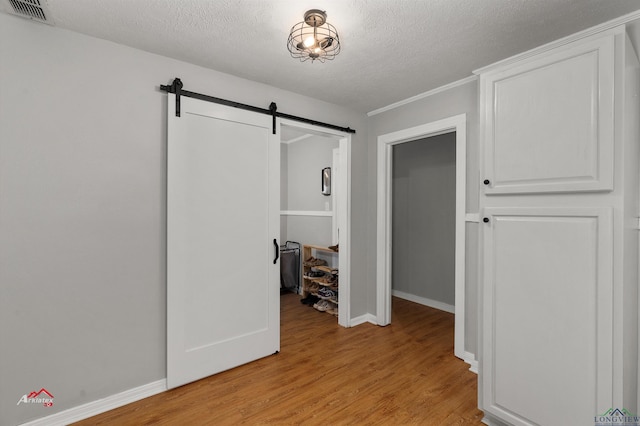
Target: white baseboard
[
  {"x": 424, "y": 301},
  {"x": 100, "y": 406},
  {"x": 470, "y": 359},
  {"x": 492, "y": 421},
  {"x": 362, "y": 319}
]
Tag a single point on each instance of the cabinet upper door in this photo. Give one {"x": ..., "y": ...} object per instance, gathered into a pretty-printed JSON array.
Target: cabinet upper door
[{"x": 549, "y": 123}]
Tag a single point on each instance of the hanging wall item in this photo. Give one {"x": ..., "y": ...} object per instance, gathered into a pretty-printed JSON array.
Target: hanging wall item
[{"x": 326, "y": 181}]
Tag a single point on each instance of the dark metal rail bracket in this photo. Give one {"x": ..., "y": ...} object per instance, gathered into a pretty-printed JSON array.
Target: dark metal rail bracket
[{"x": 176, "y": 88}]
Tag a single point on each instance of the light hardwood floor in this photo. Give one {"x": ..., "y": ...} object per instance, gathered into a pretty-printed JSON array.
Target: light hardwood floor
[{"x": 401, "y": 374}]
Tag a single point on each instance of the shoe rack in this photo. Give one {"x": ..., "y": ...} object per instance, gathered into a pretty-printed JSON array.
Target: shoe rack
[{"x": 319, "y": 279}]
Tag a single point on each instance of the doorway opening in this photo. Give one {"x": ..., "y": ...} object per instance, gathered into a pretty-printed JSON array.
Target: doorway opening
[
  {"x": 423, "y": 221},
  {"x": 385, "y": 276},
  {"x": 308, "y": 214}
]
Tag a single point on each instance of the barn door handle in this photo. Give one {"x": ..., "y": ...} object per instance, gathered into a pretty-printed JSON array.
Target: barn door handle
[{"x": 275, "y": 244}]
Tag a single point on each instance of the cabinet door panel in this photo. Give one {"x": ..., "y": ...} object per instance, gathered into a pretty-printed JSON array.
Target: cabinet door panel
[
  {"x": 550, "y": 124},
  {"x": 548, "y": 314}
]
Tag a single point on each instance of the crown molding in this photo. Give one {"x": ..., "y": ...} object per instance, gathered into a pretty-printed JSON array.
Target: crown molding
[{"x": 423, "y": 95}]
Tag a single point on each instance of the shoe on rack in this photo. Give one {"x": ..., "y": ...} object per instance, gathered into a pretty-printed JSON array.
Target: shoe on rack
[
  {"x": 322, "y": 305},
  {"x": 312, "y": 261},
  {"x": 311, "y": 300},
  {"x": 314, "y": 274},
  {"x": 327, "y": 293},
  {"x": 334, "y": 248},
  {"x": 321, "y": 281}
]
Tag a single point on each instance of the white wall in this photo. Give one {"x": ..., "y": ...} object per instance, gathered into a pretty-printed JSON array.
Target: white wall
[
  {"x": 424, "y": 213},
  {"x": 82, "y": 210}
]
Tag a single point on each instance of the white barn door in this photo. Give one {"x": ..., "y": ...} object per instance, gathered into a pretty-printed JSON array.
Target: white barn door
[{"x": 223, "y": 202}]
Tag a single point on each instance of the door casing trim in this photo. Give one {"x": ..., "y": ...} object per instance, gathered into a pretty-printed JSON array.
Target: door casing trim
[
  {"x": 386, "y": 142},
  {"x": 344, "y": 213}
]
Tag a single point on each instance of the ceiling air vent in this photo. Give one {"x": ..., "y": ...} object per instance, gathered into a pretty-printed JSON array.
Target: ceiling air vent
[{"x": 30, "y": 9}]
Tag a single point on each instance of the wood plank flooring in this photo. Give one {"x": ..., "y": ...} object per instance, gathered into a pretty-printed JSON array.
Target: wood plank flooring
[{"x": 402, "y": 374}]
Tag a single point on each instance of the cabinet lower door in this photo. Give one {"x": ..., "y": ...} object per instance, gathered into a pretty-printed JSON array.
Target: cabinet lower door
[{"x": 547, "y": 317}]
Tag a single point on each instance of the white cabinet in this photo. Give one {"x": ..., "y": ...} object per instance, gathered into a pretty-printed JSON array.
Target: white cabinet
[
  {"x": 559, "y": 301},
  {"x": 551, "y": 123},
  {"x": 548, "y": 319}
]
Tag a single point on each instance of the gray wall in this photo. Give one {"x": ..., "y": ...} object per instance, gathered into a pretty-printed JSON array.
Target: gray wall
[
  {"x": 314, "y": 230},
  {"x": 424, "y": 212},
  {"x": 306, "y": 159},
  {"x": 462, "y": 99},
  {"x": 82, "y": 210},
  {"x": 301, "y": 180}
]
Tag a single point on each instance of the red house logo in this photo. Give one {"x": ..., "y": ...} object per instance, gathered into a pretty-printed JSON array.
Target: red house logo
[{"x": 43, "y": 397}]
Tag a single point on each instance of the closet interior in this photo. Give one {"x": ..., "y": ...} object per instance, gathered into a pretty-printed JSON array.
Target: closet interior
[{"x": 308, "y": 170}]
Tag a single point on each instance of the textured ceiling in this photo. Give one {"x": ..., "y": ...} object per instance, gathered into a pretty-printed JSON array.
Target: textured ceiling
[{"x": 391, "y": 49}]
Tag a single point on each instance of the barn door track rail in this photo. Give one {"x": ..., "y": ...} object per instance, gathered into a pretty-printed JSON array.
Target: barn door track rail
[{"x": 176, "y": 88}]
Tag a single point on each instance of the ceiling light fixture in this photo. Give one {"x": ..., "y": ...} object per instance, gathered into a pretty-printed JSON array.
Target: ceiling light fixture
[{"x": 314, "y": 38}]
